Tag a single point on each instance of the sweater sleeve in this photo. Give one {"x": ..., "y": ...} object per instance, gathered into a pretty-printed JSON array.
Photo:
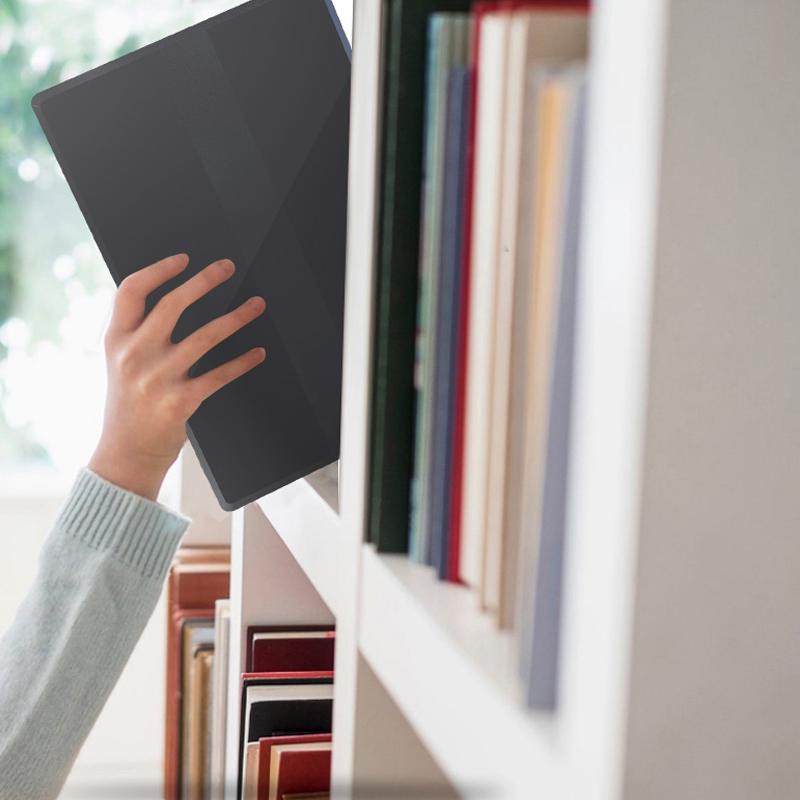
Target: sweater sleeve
[{"x": 100, "y": 574}]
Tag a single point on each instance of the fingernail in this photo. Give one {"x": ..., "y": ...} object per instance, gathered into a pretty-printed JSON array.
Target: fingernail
[
  {"x": 256, "y": 302},
  {"x": 260, "y": 353},
  {"x": 227, "y": 267}
]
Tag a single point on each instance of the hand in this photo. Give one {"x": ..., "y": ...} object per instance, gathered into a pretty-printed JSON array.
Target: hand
[{"x": 150, "y": 394}]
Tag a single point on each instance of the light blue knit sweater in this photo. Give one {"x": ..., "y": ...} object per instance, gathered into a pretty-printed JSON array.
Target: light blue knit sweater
[{"x": 100, "y": 574}]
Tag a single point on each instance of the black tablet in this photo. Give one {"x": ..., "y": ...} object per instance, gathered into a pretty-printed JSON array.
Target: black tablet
[{"x": 230, "y": 140}]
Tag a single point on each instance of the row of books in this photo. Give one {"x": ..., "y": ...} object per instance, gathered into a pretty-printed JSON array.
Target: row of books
[
  {"x": 286, "y": 713},
  {"x": 286, "y": 695},
  {"x": 477, "y": 237},
  {"x": 198, "y": 579}
]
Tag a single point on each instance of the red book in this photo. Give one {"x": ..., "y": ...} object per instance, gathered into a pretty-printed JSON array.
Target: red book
[
  {"x": 287, "y": 651},
  {"x": 265, "y": 755},
  {"x": 200, "y": 585},
  {"x": 294, "y": 675},
  {"x": 294, "y": 768},
  {"x": 254, "y": 634},
  {"x": 454, "y": 534}
]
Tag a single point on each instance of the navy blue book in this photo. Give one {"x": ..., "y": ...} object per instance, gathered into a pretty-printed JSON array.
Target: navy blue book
[
  {"x": 447, "y": 314},
  {"x": 543, "y": 677}
]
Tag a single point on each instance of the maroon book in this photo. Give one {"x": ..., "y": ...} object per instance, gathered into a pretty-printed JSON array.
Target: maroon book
[
  {"x": 289, "y": 651},
  {"x": 200, "y": 585}
]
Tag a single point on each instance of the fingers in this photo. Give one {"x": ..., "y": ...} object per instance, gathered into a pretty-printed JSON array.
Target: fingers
[
  {"x": 213, "y": 381},
  {"x": 210, "y": 335},
  {"x": 129, "y": 302},
  {"x": 170, "y": 307}
]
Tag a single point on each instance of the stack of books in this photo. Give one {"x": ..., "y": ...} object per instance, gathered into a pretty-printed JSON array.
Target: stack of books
[
  {"x": 286, "y": 713},
  {"x": 198, "y": 580},
  {"x": 476, "y": 276},
  {"x": 286, "y": 694}
]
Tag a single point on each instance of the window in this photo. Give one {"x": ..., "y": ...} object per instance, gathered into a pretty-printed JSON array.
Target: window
[{"x": 55, "y": 292}]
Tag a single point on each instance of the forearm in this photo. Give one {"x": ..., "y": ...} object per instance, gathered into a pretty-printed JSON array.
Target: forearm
[{"x": 100, "y": 575}]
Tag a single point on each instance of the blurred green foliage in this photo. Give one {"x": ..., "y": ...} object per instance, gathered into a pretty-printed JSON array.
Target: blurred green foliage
[
  {"x": 41, "y": 44},
  {"x": 72, "y": 40}
]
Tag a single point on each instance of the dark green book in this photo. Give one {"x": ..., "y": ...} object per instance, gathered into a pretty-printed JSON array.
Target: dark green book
[{"x": 391, "y": 454}]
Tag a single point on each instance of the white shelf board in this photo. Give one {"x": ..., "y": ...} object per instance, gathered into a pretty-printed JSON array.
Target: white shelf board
[
  {"x": 312, "y": 532},
  {"x": 452, "y": 674}
]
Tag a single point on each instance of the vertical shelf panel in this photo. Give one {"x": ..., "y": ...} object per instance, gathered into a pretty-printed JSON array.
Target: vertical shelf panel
[
  {"x": 356, "y": 368},
  {"x": 680, "y": 656},
  {"x": 618, "y": 245},
  {"x": 715, "y": 681}
]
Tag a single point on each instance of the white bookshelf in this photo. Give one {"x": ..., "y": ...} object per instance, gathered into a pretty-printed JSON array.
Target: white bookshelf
[{"x": 680, "y": 661}]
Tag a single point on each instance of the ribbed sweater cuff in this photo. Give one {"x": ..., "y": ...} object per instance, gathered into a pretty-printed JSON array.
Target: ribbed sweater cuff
[{"x": 138, "y": 532}]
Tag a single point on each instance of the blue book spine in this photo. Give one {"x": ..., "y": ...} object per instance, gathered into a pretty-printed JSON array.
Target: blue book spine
[
  {"x": 543, "y": 677},
  {"x": 447, "y": 314}
]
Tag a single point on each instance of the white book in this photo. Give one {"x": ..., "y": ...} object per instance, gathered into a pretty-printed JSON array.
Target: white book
[
  {"x": 219, "y": 705},
  {"x": 513, "y": 489},
  {"x": 252, "y": 751},
  {"x": 517, "y": 58},
  {"x": 491, "y": 78}
]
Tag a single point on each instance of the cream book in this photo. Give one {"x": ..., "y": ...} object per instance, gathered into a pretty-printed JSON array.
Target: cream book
[
  {"x": 219, "y": 701},
  {"x": 196, "y": 771},
  {"x": 535, "y": 38},
  {"x": 251, "y": 764},
  {"x": 491, "y": 78},
  {"x": 517, "y": 57}
]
